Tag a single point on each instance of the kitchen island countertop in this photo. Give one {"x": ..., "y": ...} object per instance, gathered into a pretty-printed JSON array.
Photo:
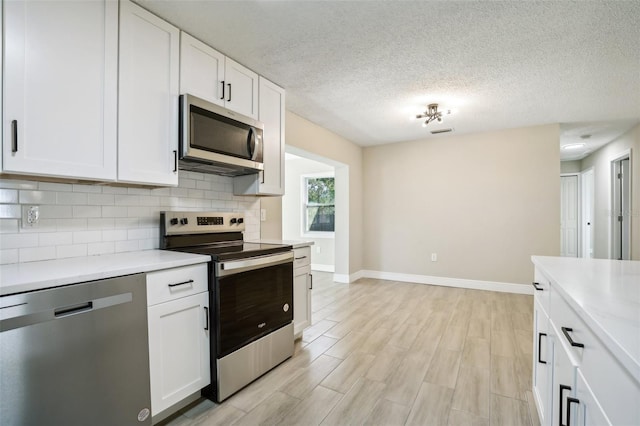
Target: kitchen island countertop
[{"x": 30, "y": 276}]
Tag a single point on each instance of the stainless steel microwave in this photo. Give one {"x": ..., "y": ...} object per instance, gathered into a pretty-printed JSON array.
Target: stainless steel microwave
[{"x": 216, "y": 140}]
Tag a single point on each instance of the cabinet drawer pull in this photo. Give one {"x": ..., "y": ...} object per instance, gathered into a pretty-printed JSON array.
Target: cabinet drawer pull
[
  {"x": 301, "y": 257},
  {"x": 539, "y": 345},
  {"x": 182, "y": 283},
  {"x": 175, "y": 161},
  {"x": 535, "y": 285},
  {"x": 14, "y": 136},
  {"x": 560, "y": 411},
  {"x": 311, "y": 276},
  {"x": 569, "y": 402},
  {"x": 206, "y": 318},
  {"x": 222, "y": 97},
  {"x": 565, "y": 331},
  {"x": 229, "y": 86}
]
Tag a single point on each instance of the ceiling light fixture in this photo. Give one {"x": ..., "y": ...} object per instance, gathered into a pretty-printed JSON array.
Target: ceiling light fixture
[
  {"x": 572, "y": 146},
  {"x": 432, "y": 114}
]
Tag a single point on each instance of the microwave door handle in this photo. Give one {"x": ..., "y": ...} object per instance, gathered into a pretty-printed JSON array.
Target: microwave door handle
[{"x": 251, "y": 143}]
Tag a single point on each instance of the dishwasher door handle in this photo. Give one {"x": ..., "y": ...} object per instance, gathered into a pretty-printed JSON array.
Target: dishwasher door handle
[{"x": 73, "y": 309}]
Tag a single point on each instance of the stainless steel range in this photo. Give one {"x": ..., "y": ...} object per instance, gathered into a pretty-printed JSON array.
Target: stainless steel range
[{"x": 251, "y": 295}]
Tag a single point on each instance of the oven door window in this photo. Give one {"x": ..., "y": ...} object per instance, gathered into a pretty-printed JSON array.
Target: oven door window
[{"x": 252, "y": 304}]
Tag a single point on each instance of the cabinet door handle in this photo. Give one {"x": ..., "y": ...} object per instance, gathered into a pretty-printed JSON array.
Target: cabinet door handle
[
  {"x": 206, "y": 318},
  {"x": 535, "y": 285},
  {"x": 565, "y": 331},
  {"x": 175, "y": 161},
  {"x": 539, "y": 344},
  {"x": 560, "y": 411},
  {"x": 229, "y": 86},
  {"x": 569, "y": 402},
  {"x": 301, "y": 257},
  {"x": 182, "y": 283},
  {"x": 311, "y": 276},
  {"x": 222, "y": 97},
  {"x": 14, "y": 136}
]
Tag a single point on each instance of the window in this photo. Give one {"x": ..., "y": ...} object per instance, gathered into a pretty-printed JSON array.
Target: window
[{"x": 319, "y": 208}]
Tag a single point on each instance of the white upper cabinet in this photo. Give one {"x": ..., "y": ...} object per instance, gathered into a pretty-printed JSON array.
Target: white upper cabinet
[
  {"x": 148, "y": 98},
  {"x": 60, "y": 88},
  {"x": 271, "y": 114},
  {"x": 208, "y": 74}
]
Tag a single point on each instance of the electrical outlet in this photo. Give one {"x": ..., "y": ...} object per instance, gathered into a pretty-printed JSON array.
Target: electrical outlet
[
  {"x": 263, "y": 215},
  {"x": 318, "y": 250},
  {"x": 30, "y": 216},
  {"x": 434, "y": 257}
]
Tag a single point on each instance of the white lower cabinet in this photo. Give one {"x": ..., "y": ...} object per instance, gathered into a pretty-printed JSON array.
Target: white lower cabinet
[
  {"x": 178, "y": 335},
  {"x": 302, "y": 286},
  {"x": 542, "y": 365}
]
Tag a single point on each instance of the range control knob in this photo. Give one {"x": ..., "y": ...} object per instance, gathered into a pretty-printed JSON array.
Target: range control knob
[
  {"x": 184, "y": 221},
  {"x": 240, "y": 220},
  {"x": 174, "y": 221},
  {"x": 233, "y": 220}
]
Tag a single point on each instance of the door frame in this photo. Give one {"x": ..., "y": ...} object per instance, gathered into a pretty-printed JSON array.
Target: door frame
[
  {"x": 625, "y": 154},
  {"x": 578, "y": 176}
]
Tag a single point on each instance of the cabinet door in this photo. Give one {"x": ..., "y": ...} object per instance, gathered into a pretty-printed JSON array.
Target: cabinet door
[
  {"x": 241, "y": 89},
  {"x": 201, "y": 70},
  {"x": 542, "y": 364},
  {"x": 178, "y": 349},
  {"x": 590, "y": 413},
  {"x": 60, "y": 88},
  {"x": 564, "y": 386},
  {"x": 301, "y": 300},
  {"x": 148, "y": 101}
]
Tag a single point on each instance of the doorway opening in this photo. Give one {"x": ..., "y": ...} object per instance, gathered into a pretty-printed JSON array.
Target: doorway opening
[{"x": 621, "y": 208}]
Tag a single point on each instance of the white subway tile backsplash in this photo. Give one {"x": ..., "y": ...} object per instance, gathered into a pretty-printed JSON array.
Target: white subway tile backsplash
[
  {"x": 101, "y": 199},
  {"x": 80, "y": 220},
  {"x": 72, "y": 250},
  {"x": 55, "y": 238},
  {"x": 37, "y": 197},
  {"x": 34, "y": 254},
  {"x": 72, "y": 198},
  {"x": 8, "y": 196},
  {"x": 106, "y": 247},
  {"x": 9, "y": 256},
  {"x": 80, "y": 237}
]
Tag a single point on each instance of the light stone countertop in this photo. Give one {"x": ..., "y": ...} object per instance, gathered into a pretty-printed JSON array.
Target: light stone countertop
[
  {"x": 294, "y": 243},
  {"x": 29, "y": 276},
  {"x": 606, "y": 295}
]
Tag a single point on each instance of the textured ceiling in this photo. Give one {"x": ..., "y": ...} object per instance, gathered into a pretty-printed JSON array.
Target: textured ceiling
[{"x": 363, "y": 68}]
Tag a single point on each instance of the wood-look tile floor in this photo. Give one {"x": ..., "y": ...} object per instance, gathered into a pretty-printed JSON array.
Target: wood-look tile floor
[{"x": 389, "y": 353}]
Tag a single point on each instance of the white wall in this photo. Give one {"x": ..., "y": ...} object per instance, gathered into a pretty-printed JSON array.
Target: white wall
[
  {"x": 483, "y": 202},
  {"x": 80, "y": 220},
  {"x": 601, "y": 163},
  {"x": 292, "y": 210}
]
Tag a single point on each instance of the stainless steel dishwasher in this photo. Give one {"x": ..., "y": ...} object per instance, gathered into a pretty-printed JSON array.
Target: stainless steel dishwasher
[{"x": 76, "y": 355}]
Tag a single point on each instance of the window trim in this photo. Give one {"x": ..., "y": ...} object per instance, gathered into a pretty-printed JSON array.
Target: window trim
[{"x": 303, "y": 205}]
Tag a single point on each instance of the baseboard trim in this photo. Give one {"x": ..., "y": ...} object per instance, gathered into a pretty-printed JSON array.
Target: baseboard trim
[
  {"x": 446, "y": 281},
  {"x": 348, "y": 278},
  {"x": 322, "y": 268}
]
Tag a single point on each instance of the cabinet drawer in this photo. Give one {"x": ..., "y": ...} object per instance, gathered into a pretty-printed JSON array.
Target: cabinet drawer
[
  {"x": 613, "y": 386},
  {"x": 542, "y": 290},
  {"x": 301, "y": 257},
  {"x": 170, "y": 284}
]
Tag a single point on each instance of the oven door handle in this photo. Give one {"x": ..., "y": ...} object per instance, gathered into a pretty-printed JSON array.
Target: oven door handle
[{"x": 237, "y": 266}]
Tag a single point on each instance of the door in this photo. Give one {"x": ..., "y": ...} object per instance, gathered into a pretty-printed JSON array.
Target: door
[
  {"x": 272, "y": 116},
  {"x": 542, "y": 363},
  {"x": 241, "y": 89},
  {"x": 621, "y": 238},
  {"x": 148, "y": 101},
  {"x": 201, "y": 70},
  {"x": 569, "y": 216},
  {"x": 564, "y": 382},
  {"x": 301, "y": 296},
  {"x": 587, "y": 213},
  {"x": 60, "y": 88},
  {"x": 178, "y": 349}
]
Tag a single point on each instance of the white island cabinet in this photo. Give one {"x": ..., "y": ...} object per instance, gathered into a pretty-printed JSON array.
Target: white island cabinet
[
  {"x": 586, "y": 362},
  {"x": 60, "y": 88}
]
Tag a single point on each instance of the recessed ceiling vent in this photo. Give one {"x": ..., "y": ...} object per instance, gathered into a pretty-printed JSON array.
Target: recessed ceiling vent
[{"x": 435, "y": 132}]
